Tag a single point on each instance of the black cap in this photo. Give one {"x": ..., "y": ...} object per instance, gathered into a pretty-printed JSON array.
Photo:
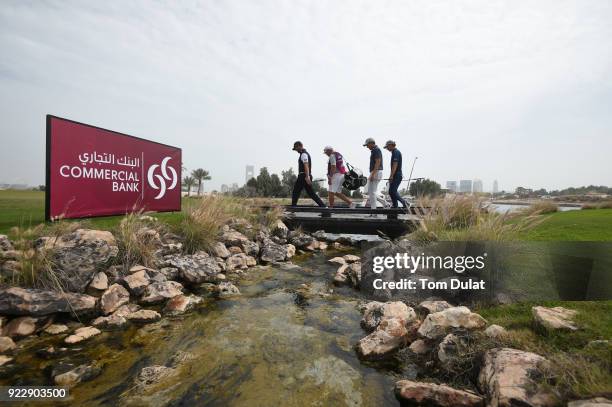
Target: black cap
[{"x": 297, "y": 144}]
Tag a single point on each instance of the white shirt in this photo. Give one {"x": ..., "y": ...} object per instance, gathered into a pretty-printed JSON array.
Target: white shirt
[{"x": 304, "y": 157}]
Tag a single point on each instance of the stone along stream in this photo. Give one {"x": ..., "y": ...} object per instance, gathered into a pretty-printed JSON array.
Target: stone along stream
[{"x": 288, "y": 339}]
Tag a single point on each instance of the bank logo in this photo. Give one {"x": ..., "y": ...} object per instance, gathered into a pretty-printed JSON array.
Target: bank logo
[{"x": 168, "y": 175}]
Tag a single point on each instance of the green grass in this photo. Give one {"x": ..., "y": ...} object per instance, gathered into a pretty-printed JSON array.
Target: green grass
[
  {"x": 27, "y": 208},
  {"x": 21, "y": 208},
  {"x": 586, "y": 225},
  {"x": 578, "y": 370}
]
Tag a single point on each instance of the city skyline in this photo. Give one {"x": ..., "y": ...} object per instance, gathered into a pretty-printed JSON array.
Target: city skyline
[{"x": 486, "y": 90}]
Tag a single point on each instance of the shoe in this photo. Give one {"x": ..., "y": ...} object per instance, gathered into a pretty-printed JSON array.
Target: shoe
[{"x": 353, "y": 205}]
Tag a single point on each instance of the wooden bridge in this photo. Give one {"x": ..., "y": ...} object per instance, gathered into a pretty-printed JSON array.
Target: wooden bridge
[{"x": 392, "y": 222}]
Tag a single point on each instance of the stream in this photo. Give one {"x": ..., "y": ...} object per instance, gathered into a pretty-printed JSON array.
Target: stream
[{"x": 286, "y": 340}]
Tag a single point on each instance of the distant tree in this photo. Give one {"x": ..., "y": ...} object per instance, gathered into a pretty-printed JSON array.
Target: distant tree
[
  {"x": 288, "y": 179},
  {"x": 42, "y": 187},
  {"x": 189, "y": 182},
  {"x": 200, "y": 175},
  {"x": 425, "y": 187},
  {"x": 264, "y": 182},
  {"x": 276, "y": 187},
  {"x": 252, "y": 183}
]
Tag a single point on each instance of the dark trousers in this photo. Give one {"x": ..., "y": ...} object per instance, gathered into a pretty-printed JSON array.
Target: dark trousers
[
  {"x": 395, "y": 196},
  {"x": 300, "y": 184}
]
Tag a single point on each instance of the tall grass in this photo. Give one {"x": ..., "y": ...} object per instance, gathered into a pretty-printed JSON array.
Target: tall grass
[
  {"x": 34, "y": 261},
  {"x": 203, "y": 220},
  {"x": 138, "y": 239},
  {"x": 465, "y": 218}
]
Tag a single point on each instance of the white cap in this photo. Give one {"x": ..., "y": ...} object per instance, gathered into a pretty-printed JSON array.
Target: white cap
[{"x": 328, "y": 148}]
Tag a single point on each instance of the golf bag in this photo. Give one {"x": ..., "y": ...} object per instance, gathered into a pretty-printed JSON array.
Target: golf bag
[{"x": 354, "y": 178}]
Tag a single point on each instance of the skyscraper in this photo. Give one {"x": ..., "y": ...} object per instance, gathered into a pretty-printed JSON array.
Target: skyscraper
[
  {"x": 495, "y": 187},
  {"x": 477, "y": 186},
  {"x": 465, "y": 186},
  {"x": 249, "y": 173},
  {"x": 451, "y": 186}
]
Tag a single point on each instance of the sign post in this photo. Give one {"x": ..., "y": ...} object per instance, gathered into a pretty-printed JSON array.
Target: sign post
[{"x": 92, "y": 171}]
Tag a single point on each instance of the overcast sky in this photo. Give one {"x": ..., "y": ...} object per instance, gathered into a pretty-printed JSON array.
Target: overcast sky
[{"x": 518, "y": 91}]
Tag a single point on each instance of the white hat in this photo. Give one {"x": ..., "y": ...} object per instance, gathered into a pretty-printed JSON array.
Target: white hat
[{"x": 328, "y": 148}]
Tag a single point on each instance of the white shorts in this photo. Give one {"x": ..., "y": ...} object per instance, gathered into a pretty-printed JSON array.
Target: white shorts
[{"x": 336, "y": 182}]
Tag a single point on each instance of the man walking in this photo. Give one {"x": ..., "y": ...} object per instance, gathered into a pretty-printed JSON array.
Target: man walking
[
  {"x": 395, "y": 177},
  {"x": 335, "y": 176},
  {"x": 304, "y": 178},
  {"x": 376, "y": 167}
]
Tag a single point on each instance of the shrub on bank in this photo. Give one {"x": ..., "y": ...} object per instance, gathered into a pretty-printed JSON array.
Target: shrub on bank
[{"x": 463, "y": 218}]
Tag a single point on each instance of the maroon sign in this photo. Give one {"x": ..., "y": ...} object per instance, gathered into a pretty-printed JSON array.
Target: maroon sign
[{"x": 97, "y": 172}]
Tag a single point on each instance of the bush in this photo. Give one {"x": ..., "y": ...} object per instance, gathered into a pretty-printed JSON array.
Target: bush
[
  {"x": 605, "y": 205},
  {"x": 138, "y": 239},
  {"x": 466, "y": 219}
]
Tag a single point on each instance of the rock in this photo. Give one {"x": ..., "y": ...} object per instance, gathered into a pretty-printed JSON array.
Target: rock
[
  {"x": 337, "y": 260},
  {"x": 98, "y": 283},
  {"x": 237, "y": 261},
  {"x": 170, "y": 273},
  {"x": 429, "y": 307},
  {"x": 303, "y": 241},
  {"x": 439, "y": 324},
  {"x": 495, "y": 331},
  {"x": 219, "y": 250},
  {"x": 20, "y": 327},
  {"x": 113, "y": 298},
  {"x": 6, "y": 344},
  {"x": 390, "y": 335},
  {"x": 159, "y": 292},
  {"x": 429, "y": 394},
  {"x": 5, "y": 244},
  {"x": 351, "y": 258},
  {"x": 554, "y": 318},
  {"x": 419, "y": 347},
  {"x": 181, "y": 304},
  {"x": 56, "y": 329},
  {"x": 342, "y": 275},
  {"x": 594, "y": 402},
  {"x": 30, "y": 301},
  {"x": 234, "y": 250},
  {"x": 77, "y": 256},
  {"x": 143, "y": 316},
  {"x": 126, "y": 309},
  {"x": 233, "y": 238},
  {"x": 112, "y": 321},
  {"x": 3, "y": 321},
  {"x": 77, "y": 375},
  {"x": 197, "y": 268},
  {"x": 225, "y": 289},
  {"x": 449, "y": 348},
  {"x": 323, "y": 246},
  {"x": 151, "y": 375},
  {"x": 290, "y": 250},
  {"x": 137, "y": 282},
  {"x": 273, "y": 252},
  {"x": 375, "y": 312},
  {"x": 250, "y": 248},
  {"x": 5, "y": 360},
  {"x": 508, "y": 378},
  {"x": 81, "y": 334},
  {"x": 354, "y": 274},
  {"x": 280, "y": 229}
]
